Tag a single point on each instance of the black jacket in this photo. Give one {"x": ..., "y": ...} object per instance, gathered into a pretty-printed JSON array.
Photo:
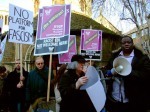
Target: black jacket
[
  {"x": 73, "y": 100},
  {"x": 138, "y": 81},
  {"x": 14, "y": 94}
]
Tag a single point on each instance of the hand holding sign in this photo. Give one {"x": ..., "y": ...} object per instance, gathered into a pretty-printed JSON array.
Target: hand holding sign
[
  {"x": 81, "y": 81},
  {"x": 92, "y": 75}
]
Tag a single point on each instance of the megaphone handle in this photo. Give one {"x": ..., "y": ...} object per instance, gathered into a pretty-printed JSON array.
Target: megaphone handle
[
  {"x": 105, "y": 79},
  {"x": 109, "y": 73}
]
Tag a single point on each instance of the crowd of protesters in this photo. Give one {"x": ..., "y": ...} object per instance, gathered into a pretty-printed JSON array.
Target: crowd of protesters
[{"x": 21, "y": 91}]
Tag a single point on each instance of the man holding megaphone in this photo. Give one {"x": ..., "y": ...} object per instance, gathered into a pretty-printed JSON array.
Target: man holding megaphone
[{"x": 128, "y": 89}]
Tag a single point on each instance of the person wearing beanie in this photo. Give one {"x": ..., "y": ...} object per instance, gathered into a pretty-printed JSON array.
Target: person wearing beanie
[
  {"x": 37, "y": 82},
  {"x": 74, "y": 99}
]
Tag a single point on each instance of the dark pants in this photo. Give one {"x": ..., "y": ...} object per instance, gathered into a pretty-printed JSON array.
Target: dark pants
[
  {"x": 3, "y": 104},
  {"x": 115, "y": 106},
  {"x": 17, "y": 107}
]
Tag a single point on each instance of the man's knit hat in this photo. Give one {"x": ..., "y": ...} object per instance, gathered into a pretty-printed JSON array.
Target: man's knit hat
[{"x": 78, "y": 58}]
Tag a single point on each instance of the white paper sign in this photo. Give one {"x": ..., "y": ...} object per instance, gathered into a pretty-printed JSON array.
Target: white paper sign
[
  {"x": 95, "y": 88},
  {"x": 20, "y": 25},
  {"x": 1, "y": 25},
  {"x": 3, "y": 43}
]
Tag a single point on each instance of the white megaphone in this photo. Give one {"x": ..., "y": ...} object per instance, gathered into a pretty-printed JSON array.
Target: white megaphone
[{"x": 121, "y": 66}]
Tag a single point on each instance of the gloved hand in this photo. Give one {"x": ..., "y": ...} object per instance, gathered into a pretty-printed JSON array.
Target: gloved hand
[
  {"x": 109, "y": 73},
  {"x": 81, "y": 81}
]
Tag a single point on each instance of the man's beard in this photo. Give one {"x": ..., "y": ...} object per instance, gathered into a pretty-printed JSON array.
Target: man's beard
[{"x": 18, "y": 69}]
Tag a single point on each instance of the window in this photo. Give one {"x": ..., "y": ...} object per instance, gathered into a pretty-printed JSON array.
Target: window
[
  {"x": 145, "y": 32},
  {"x": 1, "y": 16},
  {"x": 133, "y": 35}
]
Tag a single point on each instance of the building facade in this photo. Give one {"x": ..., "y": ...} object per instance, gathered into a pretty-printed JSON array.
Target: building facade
[
  {"x": 4, "y": 16},
  {"x": 80, "y": 15}
]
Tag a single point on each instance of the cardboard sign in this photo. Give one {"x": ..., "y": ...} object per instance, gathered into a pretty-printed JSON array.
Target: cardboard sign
[
  {"x": 54, "y": 34},
  {"x": 1, "y": 26},
  {"x": 92, "y": 55},
  {"x": 98, "y": 97},
  {"x": 66, "y": 57},
  {"x": 91, "y": 40},
  {"x": 20, "y": 25},
  {"x": 91, "y": 44},
  {"x": 2, "y": 47}
]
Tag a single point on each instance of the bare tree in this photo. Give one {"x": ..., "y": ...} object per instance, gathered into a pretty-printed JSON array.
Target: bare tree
[
  {"x": 139, "y": 11},
  {"x": 135, "y": 11},
  {"x": 97, "y": 7}
]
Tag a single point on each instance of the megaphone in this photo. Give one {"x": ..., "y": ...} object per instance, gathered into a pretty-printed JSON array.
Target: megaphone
[{"x": 121, "y": 66}]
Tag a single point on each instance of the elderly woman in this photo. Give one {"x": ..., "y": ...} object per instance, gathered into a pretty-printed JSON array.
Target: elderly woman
[{"x": 74, "y": 99}]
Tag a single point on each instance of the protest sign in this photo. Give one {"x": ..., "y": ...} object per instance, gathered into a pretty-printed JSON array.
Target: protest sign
[
  {"x": 98, "y": 97},
  {"x": 54, "y": 35},
  {"x": 91, "y": 39},
  {"x": 1, "y": 26},
  {"x": 91, "y": 55},
  {"x": 66, "y": 57},
  {"x": 3, "y": 43},
  {"x": 20, "y": 25},
  {"x": 53, "y": 21},
  {"x": 39, "y": 23},
  {"x": 91, "y": 44}
]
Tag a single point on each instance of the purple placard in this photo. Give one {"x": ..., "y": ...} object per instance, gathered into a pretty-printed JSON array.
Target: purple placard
[
  {"x": 50, "y": 40},
  {"x": 91, "y": 39},
  {"x": 53, "y": 21},
  {"x": 39, "y": 24},
  {"x": 66, "y": 57},
  {"x": 68, "y": 18}
]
